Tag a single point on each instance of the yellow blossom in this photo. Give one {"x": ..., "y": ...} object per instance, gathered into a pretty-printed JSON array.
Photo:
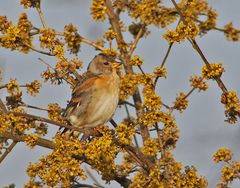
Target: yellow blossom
[
  {"x": 110, "y": 52},
  {"x": 109, "y": 35},
  {"x": 72, "y": 38},
  {"x": 181, "y": 102},
  {"x": 151, "y": 100},
  {"x": 198, "y": 83},
  {"x": 98, "y": 10},
  {"x": 4, "y": 24},
  {"x": 29, "y": 3},
  {"x": 34, "y": 87},
  {"x": 183, "y": 31},
  {"x": 13, "y": 87},
  {"x": 136, "y": 61},
  {"x": 212, "y": 71},
  {"x": 125, "y": 133},
  {"x": 160, "y": 72},
  {"x": 223, "y": 154},
  {"x": 54, "y": 112},
  {"x": 231, "y": 33},
  {"x": 227, "y": 174},
  {"x": 150, "y": 147},
  {"x": 231, "y": 101},
  {"x": 47, "y": 38},
  {"x": 31, "y": 140}
]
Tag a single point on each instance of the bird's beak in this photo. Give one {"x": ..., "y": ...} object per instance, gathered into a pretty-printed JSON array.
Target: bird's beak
[{"x": 116, "y": 65}]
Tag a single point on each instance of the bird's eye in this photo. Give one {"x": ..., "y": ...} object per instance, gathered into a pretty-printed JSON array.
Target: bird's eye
[{"x": 106, "y": 63}]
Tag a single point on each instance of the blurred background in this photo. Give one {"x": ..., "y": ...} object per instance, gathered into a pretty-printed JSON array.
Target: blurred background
[{"x": 202, "y": 126}]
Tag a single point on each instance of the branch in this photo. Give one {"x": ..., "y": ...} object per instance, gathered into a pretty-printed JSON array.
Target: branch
[
  {"x": 39, "y": 51},
  {"x": 114, "y": 21},
  {"x": 139, "y": 35},
  {"x": 21, "y": 138},
  {"x": 38, "y": 118},
  {"x": 41, "y": 14},
  {"x": 8, "y": 150}
]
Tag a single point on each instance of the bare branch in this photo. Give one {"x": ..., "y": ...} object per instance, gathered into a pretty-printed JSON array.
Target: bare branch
[{"x": 8, "y": 150}]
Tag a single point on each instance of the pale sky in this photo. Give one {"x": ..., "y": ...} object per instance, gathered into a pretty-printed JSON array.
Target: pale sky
[{"x": 202, "y": 126}]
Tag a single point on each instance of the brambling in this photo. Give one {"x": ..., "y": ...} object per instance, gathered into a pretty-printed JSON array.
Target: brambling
[{"x": 95, "y": 97}]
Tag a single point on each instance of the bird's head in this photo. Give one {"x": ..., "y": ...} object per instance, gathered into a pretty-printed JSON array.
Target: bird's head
[{"x": 102, "y": 64}]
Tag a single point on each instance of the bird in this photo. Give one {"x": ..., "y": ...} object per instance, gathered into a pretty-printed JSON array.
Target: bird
[{"x": 96, "y": 95}]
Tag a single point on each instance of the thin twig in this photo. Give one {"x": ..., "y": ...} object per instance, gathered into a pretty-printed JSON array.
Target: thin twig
[
  {"x": 42, "y": 119},
  {"x": 92, "y": 177},
  {"x": 8, "y": 150},
  {"x": 164, "y": 61},
  {"x": 21, "y": 138},
  {"x": 37, "y": 50},
  {"x": 48, "y": 65},
  {"x": 139, "y": 35},
  {"x": 34, "y": 107},
  {"x": 134, "y": 136},
  {"x": 167, "y": 54},
  {"x": 41, "y": 15}
]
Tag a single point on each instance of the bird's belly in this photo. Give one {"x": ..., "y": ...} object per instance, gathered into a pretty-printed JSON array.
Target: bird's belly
[{"x": 102, "y": 108}]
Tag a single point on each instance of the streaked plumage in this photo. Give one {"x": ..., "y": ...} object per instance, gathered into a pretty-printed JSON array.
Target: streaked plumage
[{"x": 95, "y": 97}]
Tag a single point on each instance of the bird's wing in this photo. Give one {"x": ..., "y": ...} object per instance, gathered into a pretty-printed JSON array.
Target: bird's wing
[{"x": 82, "y": 93}]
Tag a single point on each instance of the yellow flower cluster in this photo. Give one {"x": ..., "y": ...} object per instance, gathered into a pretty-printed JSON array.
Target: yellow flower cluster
[
  {"x": 31, "y": 140},
  {"x": 231, "y": 33},
  {"x": 98, "y": 10},
  {"x": 128, "y": 83},
  {"x": 34, "y": 87},
  {"x": 32, "y": 184},
  {"x": 231, "y": 101},
  {"x": 17, "y": 124},
  {"x": 168, "y": 173},
  {"x": 209, "y": 23},
  {"x": 230, "y": 171},
  {"x": 125, "y": 133},
  {"x": 48, "y": 75},
  {"x": 151, "y": 12},
  {"x": 126, "y": 166},
  {"x": 198, "y": 83},
  {"x": 222, "y": 154},
  {"x": 16, "y": 38},
  {"x": 151, "y": 100},
  {"x": 14, "y": 100},
  {"x": 4, "y": 24},
  {"x": 136, "y": 61},
  {"x": 54, "y": 112},
  {"x": 109, "y": 35},
  {"x": 160, "y": 72},
  {"x": 191, "y": 179},
  {"x": 47, "y": 38},
  {"x": 58, "y": 168},
  {"x": 10, "y": 39},
  {"x": 150, "y": 147},
  {"x": 212, "y": 71},
  {"x": 110, "y": 52},
  {"x": 101, "y": 153},
  {"x": 183, "y": 31},
  {"x": 72, "y": 38},
  {"x": 29, "y": 3},
  {"x": 181, "y": 102},
  {"x": 67, "y": 67},
  {"x": 170, "y": 135},
  {"x": 151, "y": 117},
  {"x": 58, "y": 51},
  {"x": 25, "y": 26},
  {"x": 227, "y": 174},
  {"x": 13, "y": 87}
]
